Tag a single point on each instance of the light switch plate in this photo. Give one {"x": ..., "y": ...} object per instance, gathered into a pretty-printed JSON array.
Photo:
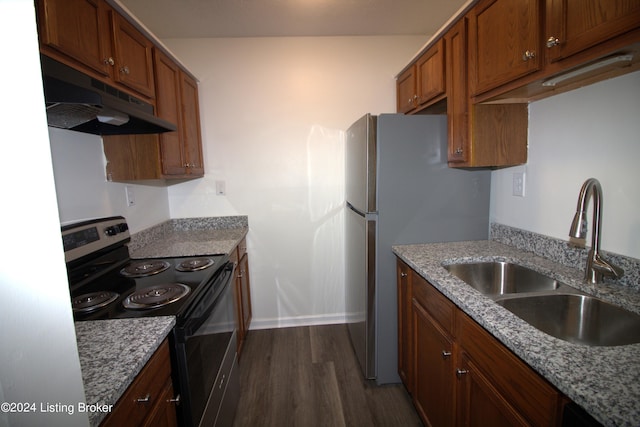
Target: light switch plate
[
  {"x": 128, "y": 191},
  {"x": 221, "y": 188}
]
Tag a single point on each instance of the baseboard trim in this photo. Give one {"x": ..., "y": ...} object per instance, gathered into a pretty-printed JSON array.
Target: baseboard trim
[{"x": 290, "y": 322}]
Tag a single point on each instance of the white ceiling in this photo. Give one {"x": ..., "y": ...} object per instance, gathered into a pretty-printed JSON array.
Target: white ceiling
[{"x": 282, "y": 18}]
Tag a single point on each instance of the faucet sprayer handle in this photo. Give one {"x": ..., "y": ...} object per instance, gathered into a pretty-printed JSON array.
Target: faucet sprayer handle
[{"x": 606, "y": 268}]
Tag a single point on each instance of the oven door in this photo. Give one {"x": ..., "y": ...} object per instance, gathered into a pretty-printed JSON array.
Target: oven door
[{"x": 205, "y": 352}]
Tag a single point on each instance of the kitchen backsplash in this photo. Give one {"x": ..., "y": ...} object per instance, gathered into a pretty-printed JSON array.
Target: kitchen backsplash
[
  {"x": 155, "y": 233},
  {"x": 560, "y": 251}
]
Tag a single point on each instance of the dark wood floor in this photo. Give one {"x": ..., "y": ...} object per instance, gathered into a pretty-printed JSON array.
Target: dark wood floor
[{"x": 309, "y": 376}]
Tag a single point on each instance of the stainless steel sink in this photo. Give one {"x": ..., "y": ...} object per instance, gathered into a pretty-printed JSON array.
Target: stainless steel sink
[
  {"x": 579, "y": 319},
  {"x": 501, "y": 278},
  {"x": 551, "y": 306}
]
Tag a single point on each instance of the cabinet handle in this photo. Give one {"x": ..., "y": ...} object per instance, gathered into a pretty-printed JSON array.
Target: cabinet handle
[
  {"x": 528, "y": 55},
  {"x": 458, "y": 151},
  {"x": 124, "y": 70},
  {"x": 446, "y": 354},
  {"x": 109, "y": 61},
  {"x": 461, "y": 372},
  {"x": 176, "y": 400},
  {"x": 552, "y": 41},
  {"x": 403, "y": 274},
  {"x": 145, "y": 399}
]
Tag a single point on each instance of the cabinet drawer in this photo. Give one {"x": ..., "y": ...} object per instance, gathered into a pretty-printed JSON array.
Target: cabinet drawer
[
  {"x": 533, "y": 397},
  {"x": 147, "y": 386},
  {"x": 436, "y": 304}
]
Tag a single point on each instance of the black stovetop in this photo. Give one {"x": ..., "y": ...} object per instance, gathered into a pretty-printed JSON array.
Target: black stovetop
[{"x": 114, "y": 281}]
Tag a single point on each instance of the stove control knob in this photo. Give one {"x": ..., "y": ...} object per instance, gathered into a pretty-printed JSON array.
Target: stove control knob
[
  {"x": 111, "y": 231},
  {"x": 122, "y": 227}
]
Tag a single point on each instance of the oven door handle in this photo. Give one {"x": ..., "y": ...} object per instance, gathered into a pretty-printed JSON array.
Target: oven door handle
[{"x": 196, "y": 319}]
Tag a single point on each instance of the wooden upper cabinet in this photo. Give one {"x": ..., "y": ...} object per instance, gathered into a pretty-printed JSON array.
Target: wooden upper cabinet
[
  {"x": 169, "y": 107},
  {"x": 169, "y": 155},
  {"x": 406, "y": 94},
  {"x": 91, "y": 36},
  {"x": 504, "y": 40},
  {"x": 457, "y": 93},
  {"x": 133, "y": 56},
  {"x": 423, "y": 83},
  {"x": 78, "y": 29},
  {"x": 576, "y": 25},
  {"x": 191, "y": 124},
  {"x": 431, "y": 74}
]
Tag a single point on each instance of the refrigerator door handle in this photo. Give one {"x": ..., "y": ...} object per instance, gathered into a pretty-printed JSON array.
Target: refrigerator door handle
[
  {"x": 370, "y": 216},
  {"x": 356, "y": 210}
]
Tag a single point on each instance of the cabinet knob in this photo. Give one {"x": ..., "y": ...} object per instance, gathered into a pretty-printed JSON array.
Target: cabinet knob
[
  {"x": 458, "y": 151},
  {"x": 145, "y": 399},
  {"x": 109, "y": 61},
  {"x": 403, "y": 274},
  {"x": 461, "y": 372},
  {"x": 528, "y": 55},
  {"x": 176, "y": 400},
  {"x": 124, "y": 70},
  {"x": 446, "y": 354},
  {"x": 552, "y": 41}
]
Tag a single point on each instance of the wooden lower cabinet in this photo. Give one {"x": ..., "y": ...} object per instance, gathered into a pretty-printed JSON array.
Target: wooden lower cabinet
[
  {"x": 149, "y": 400},
  {"x": 242, "y": 290},
  {"x": 460, "y": 374},
  {"x": 405, "y": 338},
  {"x": 433, "y": 385}
]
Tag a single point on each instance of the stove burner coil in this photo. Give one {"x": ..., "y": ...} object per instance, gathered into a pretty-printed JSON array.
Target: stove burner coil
[
  {"x": 156, "y": 296},
  {"x": 195, "y": 264},
  {"x": 87, "y": 303},
  {"x": 144, "y": 268}
]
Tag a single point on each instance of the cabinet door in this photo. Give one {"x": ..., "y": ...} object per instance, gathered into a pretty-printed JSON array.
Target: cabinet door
[
  {"x": 504, "y": 40},
  {"x": 245, "y": 294},
  {"x": 457, "y": 93},
  {"x": 168, "y": 107},
  {"x": 133, "y": 56},
  {"x": 498, "y": 376},
  {"x": 431, "y": 74},
  {"x": 576, "y": 25},
  {"x": 479, "y": 403},
  {"x": 433, "y": 384},
  {"x": 78, "y": 29},
  {"x": 164, "y": 413},
  {"x": 191, "y": 124},
  {"x": 406, "y": 90},
  {"x": 405, "y": 319}
]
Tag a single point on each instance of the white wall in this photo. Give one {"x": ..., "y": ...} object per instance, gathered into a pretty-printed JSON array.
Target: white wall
[
  {"x": 590, "y": 132},
  {"x": 84, "y": 192},
  {"x": 38, "y": 354},
  {"x": 273, "y": 111}
]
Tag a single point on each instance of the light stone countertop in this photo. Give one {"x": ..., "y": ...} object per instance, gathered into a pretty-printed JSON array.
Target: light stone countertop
[
  {"x": 179, "y": 243},
  {"x": 605, "y": 381},
  {"x": 113, "y": 352}
]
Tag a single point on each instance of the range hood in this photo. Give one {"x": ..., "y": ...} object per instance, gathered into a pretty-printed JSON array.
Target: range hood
[{"x": 78, "y": 102}]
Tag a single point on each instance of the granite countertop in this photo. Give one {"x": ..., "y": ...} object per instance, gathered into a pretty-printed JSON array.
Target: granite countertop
[
  {"x": 192, "y": 243},
  {"x": 113, "y": 352},
  {"x": 190, "y": 237},
  {"x": 603, "y": 380}
]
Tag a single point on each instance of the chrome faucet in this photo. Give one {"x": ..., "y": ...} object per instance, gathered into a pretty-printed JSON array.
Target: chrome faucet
[{"x": 597, "y": 267}]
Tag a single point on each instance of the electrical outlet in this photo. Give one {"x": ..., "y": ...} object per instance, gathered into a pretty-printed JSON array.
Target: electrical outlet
[
  {"x": 128, "y": 191},
  {"x": 518, "y": 184}
]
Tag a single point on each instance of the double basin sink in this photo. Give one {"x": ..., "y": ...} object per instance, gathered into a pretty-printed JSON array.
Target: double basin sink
[{"x": 551, "y": 306}]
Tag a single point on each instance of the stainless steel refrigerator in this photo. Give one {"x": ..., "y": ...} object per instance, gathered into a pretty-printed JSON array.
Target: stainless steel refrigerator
[{"x": 399, "y": 190}]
